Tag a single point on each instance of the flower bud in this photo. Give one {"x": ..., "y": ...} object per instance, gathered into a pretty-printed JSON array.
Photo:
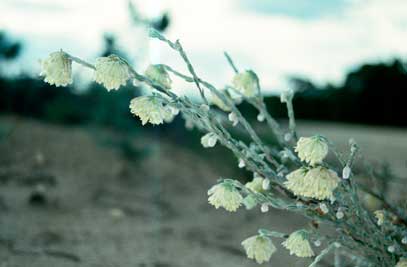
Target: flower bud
[
  {"x": 264, "y": 208},
  {"x": 246, "y": 83},
  {"x": 346, "y": 172},
  {"x": 233, "y": 118},
  {"x": 158, "y": 75},
  {"x": 209, "y": 140},
  {"x": 242, "y": 164}
]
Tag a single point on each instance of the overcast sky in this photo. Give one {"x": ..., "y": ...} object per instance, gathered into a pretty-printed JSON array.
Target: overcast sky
[{"x": 318, "y": 39}]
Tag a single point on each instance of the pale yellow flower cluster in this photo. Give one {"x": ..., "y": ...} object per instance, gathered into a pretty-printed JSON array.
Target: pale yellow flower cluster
[
  {"x": 402, "y": 263},
  {"x": 318, "y": 182},
  {"x": 312, "y": 150},
  {"x": 112, "y": 72},
  {"x": 57, "y": 69},
  {"x": 298, "y": 244},
  {"x": 246, "y": 83},
  {"x": 159, "y": 75},
  {"x": 150, "y": 109},
  {"x": 226, "y": 196},
  {"x": 259, "y": 248}
]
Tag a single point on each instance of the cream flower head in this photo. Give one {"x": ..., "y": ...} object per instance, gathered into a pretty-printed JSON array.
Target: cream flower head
[
  {"x": 296, "y": 181},
  {"x": 256, "y": 185},
  {"x": 259, "y": 248},
  {"x": 226, "y": 196},
  {"x": 312, "y": 150},
  {"x": 297, "y": 243},
  {"x": 57, "y": 69},
  {"x": 402, "y": 263},
  {"x": 150, "y": 109},
  {"x": 318, "y": 183},
  {"x": 111, "y": 71},
  {"x": 247, "y": 83},
  {"x": 159, "y": 75}
]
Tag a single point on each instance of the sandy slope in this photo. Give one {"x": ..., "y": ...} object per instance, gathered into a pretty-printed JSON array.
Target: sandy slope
[{"x": 107, "y": 211}]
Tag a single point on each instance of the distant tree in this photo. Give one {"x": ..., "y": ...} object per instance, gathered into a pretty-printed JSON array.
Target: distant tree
[
  {"x": 160, "y": 23},
  {"x": 111, "y": 47},
  {"x": 9, "y": 49}
]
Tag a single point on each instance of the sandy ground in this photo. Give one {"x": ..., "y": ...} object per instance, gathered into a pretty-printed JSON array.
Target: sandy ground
[{"x": 104, "y": 210}]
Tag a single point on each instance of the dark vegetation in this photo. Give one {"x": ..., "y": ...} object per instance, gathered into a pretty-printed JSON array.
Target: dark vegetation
[{"x": 371, "y": 94}]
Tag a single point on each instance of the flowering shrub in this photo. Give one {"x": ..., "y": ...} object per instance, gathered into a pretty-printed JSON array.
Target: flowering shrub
[{"x": 291, "y": 175}]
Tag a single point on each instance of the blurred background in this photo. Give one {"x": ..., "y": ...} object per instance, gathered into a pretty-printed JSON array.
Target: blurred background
[{"x": 83, "y": 184}]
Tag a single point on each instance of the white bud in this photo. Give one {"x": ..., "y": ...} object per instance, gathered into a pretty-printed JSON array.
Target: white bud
[
  {"x": 404, "y": 240},
  {"x": 284, "y": 155},
  {"x": 242, "y": 164},
  {"x": 209, "y": 140},
  {"x": 287, "y": 137},
  {"x": 264, "y": 208},
  {"x": 261, "y": 117},
  {"x": 346, "y": 172},
  {"x": 233, "y": 118},
  {"x": 266, "y": 184},
  {"x": 299, "y": 204},
  {"x": 256, "y": 175},
  {"x": 391, "y": 249},
  {"x": 324, "y": 208},
  {"x": 339, "y": 214},
  {"x": 317, "y": 243},
  {"x": 204, "y": 107}
]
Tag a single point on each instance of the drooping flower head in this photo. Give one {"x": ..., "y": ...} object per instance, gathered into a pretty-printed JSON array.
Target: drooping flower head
[
  {"x": 256, "y": 185},
  {"x": 297, "y": 243},
  {"x": 57, "y": 69},
  {"x": 209, "y": 140},
  {"x": 150, "y": 109},
  {"x": 259, "y": 248},
  {"x": 312, "y": 150},
  {"x": 111, "y": 71},
  {"x": 296, "y": 181},
  {"x": 159, "y": 75},
  {"x": 247, "y": 83},
  {"x": 402, "y": 263},
  {"x": 318, "y": 183},
  {"x": 225, "y": 195}
]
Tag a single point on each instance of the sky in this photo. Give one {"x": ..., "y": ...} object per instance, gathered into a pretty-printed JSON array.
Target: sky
[{"x": 317, "y": 39}]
